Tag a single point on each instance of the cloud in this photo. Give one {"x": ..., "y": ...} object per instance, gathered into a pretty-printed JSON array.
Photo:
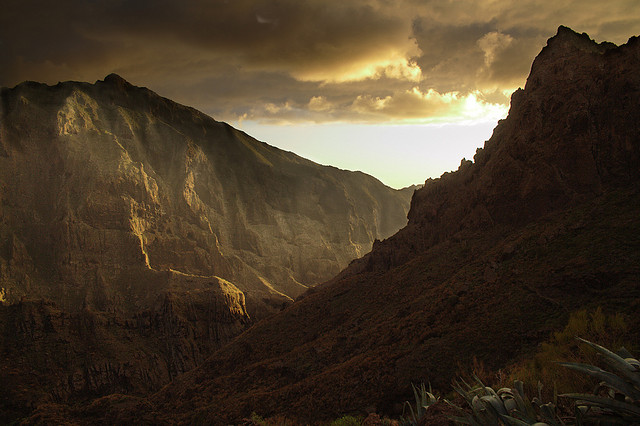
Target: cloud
[
  {"x": 416, "y": 106},
  {"x": 493, "y": 43},
  {"x": 291, "y": 60},
  {"x": 319, "y": 103}
]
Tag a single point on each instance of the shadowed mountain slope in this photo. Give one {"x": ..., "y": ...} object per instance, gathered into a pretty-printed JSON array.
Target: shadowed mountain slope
[
  {"x": 157, "y": 230},
  {"x": 495, "y": 257}
]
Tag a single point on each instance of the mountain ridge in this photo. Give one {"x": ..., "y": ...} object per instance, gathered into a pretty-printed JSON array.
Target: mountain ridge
[
  {"x": 131, "y": 97},
  {"x": 567, "y": 45}
]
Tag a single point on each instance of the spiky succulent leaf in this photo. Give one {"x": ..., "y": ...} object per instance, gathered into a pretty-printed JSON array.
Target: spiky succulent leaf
[
  {"x": 466, "y": 395},
  {"x": 609, "y": 403},
  {"x": 510, "y": 404},
  {"x": 634, "y": 363},
  {"x": 540, "y": 390},
  {"x": 616, "y": 362},
  {"x": 416, "y": 393},
  {"x": 496, "y": 403},
  {"x": 457, "y": 407},
  {"x": 524, "y": 405},
  {"x": 610, "y": 379},
  {"x": 548, "y": 412},
  {"x": 624, "y": 353},
  {"x": 610, "y": 357},
  {"x": 423, "y": 400},
  {"x": 514, "y": 422},
  {"x": 410, "y": 420}
]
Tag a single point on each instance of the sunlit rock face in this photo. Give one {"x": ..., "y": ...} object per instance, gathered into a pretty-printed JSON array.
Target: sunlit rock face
[
  {"x": 159, "y": 230},
  {"x": 104, "y": 185}
]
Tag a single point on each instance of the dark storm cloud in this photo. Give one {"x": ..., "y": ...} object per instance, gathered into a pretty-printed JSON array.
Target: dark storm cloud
[
  {"x": 290, "y": 60},
  {"x": 302, "y": 37}
]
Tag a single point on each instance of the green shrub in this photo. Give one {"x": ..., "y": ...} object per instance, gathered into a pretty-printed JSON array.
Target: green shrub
[
  {"x": 347, "y": 421},
  {"x": 257, "y": 419}
]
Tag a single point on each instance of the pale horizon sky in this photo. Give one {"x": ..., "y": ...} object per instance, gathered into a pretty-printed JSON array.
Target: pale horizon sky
[
  {"x": 397, "y": 155},
  {"x": 399, "y": 89}
]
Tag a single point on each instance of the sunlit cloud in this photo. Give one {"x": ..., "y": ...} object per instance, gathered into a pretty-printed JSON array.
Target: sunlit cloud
[
  {"x": 312, "y": 63},
  {"x": 394, "y": 62},
  {"x": 319, "y": 103},
  {"x": 293, "y": 61},
  {"x": 492, "y": 43},
  {"x": 272, "y": 108},
  {"x": 406, "y": 70},
  {"x": 415, "y": 106}
]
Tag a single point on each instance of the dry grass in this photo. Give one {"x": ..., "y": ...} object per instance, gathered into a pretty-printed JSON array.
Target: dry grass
[{"x": 608, "y": 330}]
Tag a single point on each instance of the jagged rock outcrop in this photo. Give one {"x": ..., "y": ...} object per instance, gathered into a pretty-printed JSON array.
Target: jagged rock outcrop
[
  {"x": 569, "y": 136},
  {"x": 494, "y": 258},
  {"x": 52, "y": 355},
  {"x": 167, "y": 230}
]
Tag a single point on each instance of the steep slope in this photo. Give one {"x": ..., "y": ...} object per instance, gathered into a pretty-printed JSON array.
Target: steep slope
[
  {"x": 494, "y": 258},
  {"x": 158, "y": 228}
]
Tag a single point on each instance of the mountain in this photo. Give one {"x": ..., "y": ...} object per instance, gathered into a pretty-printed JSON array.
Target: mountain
[
  {"x": 137, "y": 235},
  {"x": 495, "y": 257},
  {"x": 101, "y": 180}
]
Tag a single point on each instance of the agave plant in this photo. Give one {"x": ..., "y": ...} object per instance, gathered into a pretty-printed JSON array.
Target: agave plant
[
  {"x": 616, "y": 399},
  {"x": 424, "y": 400},
  {"x": 507, "y": 406}
]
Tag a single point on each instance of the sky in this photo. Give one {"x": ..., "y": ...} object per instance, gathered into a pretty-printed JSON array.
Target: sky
[{"x": 400, "y": 89}]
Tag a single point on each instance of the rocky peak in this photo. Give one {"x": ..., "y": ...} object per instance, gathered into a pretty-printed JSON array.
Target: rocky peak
[
  {"x": 543, "y": 222},
  {"x": 563, "y": 53},
  {"x": 114, "y": 83},
  {"x": 116, "y": 80},
  {"x": 181, "y": 189},
  {"x": 570, "y": 134},
  {"x": 566, "y": 38}
]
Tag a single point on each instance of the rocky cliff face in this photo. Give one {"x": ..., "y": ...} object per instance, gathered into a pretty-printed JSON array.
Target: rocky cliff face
[
  {"x": 104, "y": 184},
  {"x": 52, "y": 355},
  {"x": 158, "y": 231},
  {"x": 494, "y": 258}
]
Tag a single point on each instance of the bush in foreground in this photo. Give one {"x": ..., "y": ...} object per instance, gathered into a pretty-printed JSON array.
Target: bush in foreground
[{"x": 615, "y": 400}]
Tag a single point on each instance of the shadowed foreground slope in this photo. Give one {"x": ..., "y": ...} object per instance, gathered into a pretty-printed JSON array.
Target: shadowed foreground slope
[{"x": 495, "y": 256}]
